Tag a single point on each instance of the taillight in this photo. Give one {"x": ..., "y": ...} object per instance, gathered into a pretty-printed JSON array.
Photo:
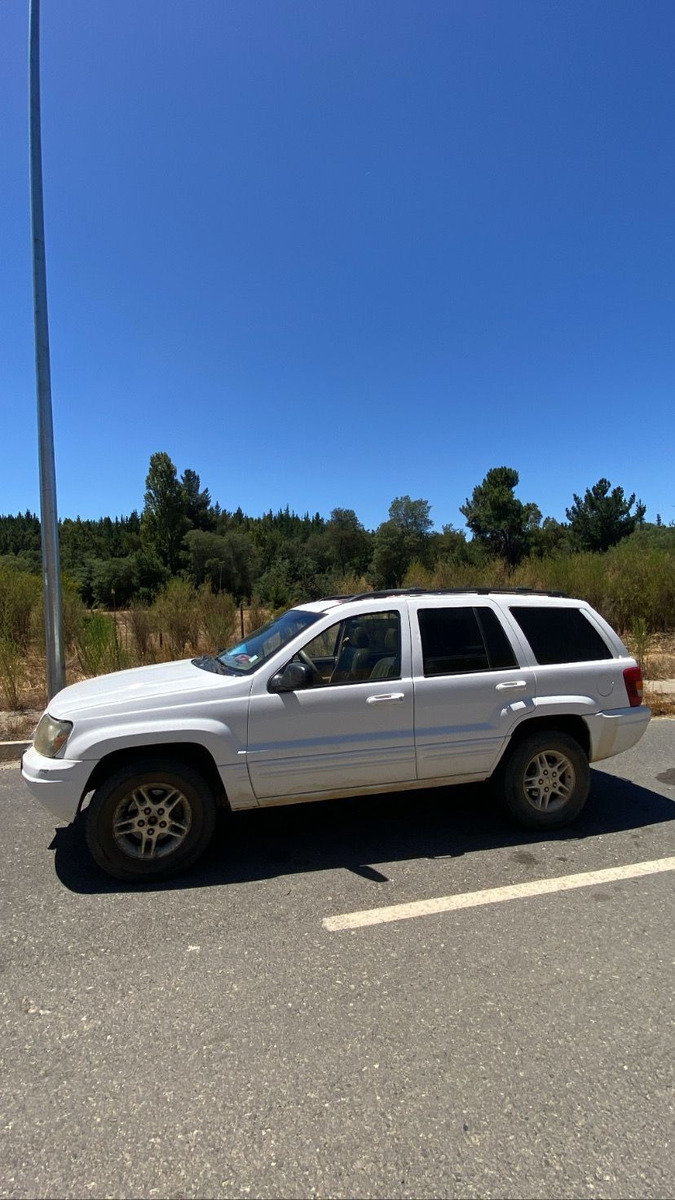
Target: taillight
[{"x": 633, "y": 680}]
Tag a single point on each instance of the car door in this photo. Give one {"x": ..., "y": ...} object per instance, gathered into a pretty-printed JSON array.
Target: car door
[
  {"x": 343, "y": 732},
  {"x": 470, "y": 690}
]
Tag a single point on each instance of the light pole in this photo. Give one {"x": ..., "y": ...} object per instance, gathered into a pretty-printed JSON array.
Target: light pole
[{"x": 51, "y": 566}]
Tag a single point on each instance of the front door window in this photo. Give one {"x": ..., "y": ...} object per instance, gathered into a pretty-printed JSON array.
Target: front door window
[{"x": 356, "y": 649}]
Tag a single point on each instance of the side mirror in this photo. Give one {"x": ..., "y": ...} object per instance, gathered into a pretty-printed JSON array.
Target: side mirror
[{"x": 294, "y": 677}]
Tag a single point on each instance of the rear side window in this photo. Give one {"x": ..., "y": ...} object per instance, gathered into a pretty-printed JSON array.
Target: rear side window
[
  {"x": 456, "y": 641},
  {"x": 560, "y": 635},
  {"x": 499, "y": 648}
]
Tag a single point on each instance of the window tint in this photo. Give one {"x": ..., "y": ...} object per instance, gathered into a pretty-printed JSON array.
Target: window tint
[
  {"x": 458, "y": 640},
  {"x": 452, "y": 642},
  {"x": 499, "y": 648},
  {"x": 560, "y": 635}
]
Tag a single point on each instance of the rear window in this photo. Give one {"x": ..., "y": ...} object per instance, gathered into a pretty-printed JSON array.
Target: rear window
[
  {"x": 456, "y": 641},
  {"x": 560, "y": 635}
]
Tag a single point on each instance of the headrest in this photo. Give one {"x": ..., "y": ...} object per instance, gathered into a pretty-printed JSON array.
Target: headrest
[
  {"x": 391, "y": 640},
  {"x": 359, "y": 638}
]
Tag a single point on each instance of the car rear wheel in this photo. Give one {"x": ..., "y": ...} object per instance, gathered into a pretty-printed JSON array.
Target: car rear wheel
[
  {"x": 150, "y": 820},
  {"x": 545, "y": 780}
]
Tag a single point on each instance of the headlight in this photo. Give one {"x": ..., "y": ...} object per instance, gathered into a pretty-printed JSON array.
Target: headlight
[{"x": 51, "y": 735}]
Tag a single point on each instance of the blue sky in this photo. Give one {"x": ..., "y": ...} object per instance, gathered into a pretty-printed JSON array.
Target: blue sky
[{"x": 328, "y": 253}]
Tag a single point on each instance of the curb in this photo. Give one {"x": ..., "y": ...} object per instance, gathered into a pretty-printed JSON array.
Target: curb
[{"x": 12, "y": 751}]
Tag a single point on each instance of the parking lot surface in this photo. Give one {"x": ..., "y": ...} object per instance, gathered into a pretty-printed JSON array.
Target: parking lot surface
[{"x": 224, "y": 1035}]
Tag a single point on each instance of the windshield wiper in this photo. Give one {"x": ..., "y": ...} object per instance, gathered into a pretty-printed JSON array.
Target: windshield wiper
[{"x": 208, "y": 663}]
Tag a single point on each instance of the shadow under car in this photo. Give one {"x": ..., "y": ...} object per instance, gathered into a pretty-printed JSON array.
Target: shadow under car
[{"x": 353, "y": 833}]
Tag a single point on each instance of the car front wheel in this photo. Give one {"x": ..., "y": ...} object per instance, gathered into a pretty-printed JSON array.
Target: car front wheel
[
  {"x": 545, "y": 780},
  {"x": 149, "y": 820}
]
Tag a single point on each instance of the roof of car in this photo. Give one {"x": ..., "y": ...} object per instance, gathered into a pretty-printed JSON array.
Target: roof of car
[
  {"x": 470, "y": 591},
  {"x": 328, "y": 602},
  {"x": 320, "y": 606}
]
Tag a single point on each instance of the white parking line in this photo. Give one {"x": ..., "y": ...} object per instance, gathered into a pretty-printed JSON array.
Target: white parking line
[{"x": 514, "y": 891}]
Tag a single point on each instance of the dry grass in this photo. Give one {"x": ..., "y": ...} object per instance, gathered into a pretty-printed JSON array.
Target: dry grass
[
  {"x": 660, "y": 656},
  {"x": 659, "y": 664},
  {"x": 18, "y": 726},
  {"x": 662, "y": 704}
]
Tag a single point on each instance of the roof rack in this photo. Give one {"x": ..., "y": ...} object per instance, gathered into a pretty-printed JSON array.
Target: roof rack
[{"x": 473, "y": 591}]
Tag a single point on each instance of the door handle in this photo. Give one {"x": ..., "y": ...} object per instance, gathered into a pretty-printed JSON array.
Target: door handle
[
  {"x": 387, "y": 698},
  {"x": 509, "y": 687}
]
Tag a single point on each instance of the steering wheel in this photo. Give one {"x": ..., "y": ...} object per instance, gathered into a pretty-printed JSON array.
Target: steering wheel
[{"x": 304, "y": 658}]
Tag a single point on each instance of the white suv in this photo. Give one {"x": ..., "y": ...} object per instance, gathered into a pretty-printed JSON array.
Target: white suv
[{"x": 348, "y": 695}]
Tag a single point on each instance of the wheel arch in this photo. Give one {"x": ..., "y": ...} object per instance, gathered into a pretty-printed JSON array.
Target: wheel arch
[
  {"x": 190, "y": 754},
  {"x": 574, "y": 726}
]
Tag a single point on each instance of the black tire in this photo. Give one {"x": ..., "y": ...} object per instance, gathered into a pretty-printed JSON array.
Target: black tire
[
  {"x": 545, "y": 780},
  {"x": 150, "y": 820}
]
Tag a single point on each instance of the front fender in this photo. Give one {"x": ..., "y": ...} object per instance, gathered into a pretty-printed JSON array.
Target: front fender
[{"x": 90, "y": 745}]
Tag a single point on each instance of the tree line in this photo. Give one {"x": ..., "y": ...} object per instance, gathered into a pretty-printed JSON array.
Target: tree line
[{"x": 281, "y": 557}]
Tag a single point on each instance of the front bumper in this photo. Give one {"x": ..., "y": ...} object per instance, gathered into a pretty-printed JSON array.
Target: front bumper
[
  {"x": 58, "y": 783},
  {"x": 616, "y": 730}
]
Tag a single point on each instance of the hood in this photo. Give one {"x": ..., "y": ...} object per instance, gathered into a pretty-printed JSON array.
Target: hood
[{"x": 137, "y": 688}]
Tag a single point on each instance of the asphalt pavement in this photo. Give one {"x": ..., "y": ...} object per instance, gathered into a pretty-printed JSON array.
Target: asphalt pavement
[{"x": 214, "y": 1038}]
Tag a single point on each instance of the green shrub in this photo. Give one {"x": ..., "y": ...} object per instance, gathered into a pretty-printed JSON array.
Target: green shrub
[
  {"x": 20, "y": 603},
  {"x": 256, "y": 616},
  {"x": 140, "y": 625},
  {"x": 98, "y": 646},
  {"x": 12, "y": 666},
  {"x": 218, "y": 615},
  {"x": 350, "y": 585},
  {"x": 632, "y": 582},
  {"x": 176, "y": 618},
  {"x": 640, "y": 642},
  {"x": 73, "y": 613}
]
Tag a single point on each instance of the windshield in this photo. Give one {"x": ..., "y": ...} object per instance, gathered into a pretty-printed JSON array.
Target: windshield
[{"x": 260, "y": 645}]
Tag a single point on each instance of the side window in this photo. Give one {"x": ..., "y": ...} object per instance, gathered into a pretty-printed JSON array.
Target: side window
[
  {"x": 499, "y": 648},
  {"x": 560, "y": 635},
  {"x": 357, "y": 649},
  {"x": 325, "y": 645},
  {"x": 452, "y": 642},
  {"x": 456, "y": 641}
]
